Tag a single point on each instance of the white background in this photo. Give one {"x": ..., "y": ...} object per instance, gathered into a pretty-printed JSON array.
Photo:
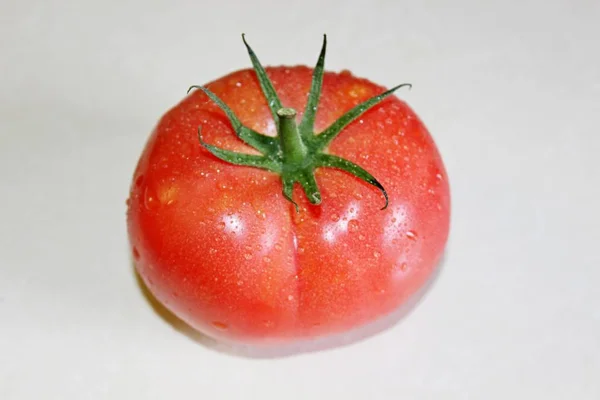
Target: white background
[{"x": 511, "y": 93}]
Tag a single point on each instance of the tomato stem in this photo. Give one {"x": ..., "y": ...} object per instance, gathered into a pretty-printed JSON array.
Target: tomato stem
[{"x": 294, "y": 149}]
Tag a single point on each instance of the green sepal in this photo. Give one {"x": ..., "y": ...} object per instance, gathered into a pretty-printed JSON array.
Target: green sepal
[
  {"x": 328, "y": 160},
  {"x": 307, "y": 124},
  {"x": 262, "y": 143},
  {"x": 265, "y": 83},
  {"x": 324, "y": 138},
  {"x": 288, "y": 189},
  {"x": 233, "y": 157}
]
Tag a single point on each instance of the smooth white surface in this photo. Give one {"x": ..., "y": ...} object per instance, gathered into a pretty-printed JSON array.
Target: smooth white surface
[{"x": 509, "y": 89}]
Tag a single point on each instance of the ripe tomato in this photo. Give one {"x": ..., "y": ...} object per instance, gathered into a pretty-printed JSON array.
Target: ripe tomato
[{"x": 223, "y": 245}]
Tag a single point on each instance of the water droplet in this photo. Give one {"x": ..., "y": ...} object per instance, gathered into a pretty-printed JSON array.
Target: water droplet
[
  {"x": 358, "y": 196},
  {"x": 300, "y": 250},
  {"x": 376, "y": 254},
  {"x": 290, "y": 297},
  {"x": 361, "y": 237},
  {"x": 221, "y": 225},
  {"x": 439, "y": 177},
  {"x": 128, "y": 202},
  {"x": 248, "y": 256},
  {"x": 136, "y": 253},
  {"x": 277, "y": 246},
  {"x": 353, "y": 225},
  {"x": 430, "y": 191},
  {"x": 266, "y": 259},
  {"x": 268, "y": 324},
  {"x": 238, "y": 84},
  {"x": 412, "y": 235},
  {"x": 240, "y": 283},
  {"x": 212, "y": 251},
  {"x": 220, "y": 325},
  {"x": 388, "y": 121},
  {"x": 335, "y": 217},
  {"x": 403, "y": 267},
  {"x": 150, "y": 202}
]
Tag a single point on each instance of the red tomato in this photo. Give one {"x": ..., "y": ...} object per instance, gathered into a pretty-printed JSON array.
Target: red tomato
[{"x": 221, "y": 246}]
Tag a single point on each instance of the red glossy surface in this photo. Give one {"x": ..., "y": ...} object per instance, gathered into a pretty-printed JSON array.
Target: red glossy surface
[{"x": 221, "y": 248}]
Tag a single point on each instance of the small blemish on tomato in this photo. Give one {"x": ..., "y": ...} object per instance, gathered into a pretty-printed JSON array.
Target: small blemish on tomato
[
  {"x": 167, "y": 194},
  {"x": 220, "y": 325},
  {"x": 412, "y": 235},
  {"x": 136, "y": 253}
]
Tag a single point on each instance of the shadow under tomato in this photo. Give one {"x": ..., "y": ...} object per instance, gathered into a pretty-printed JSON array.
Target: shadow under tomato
[{"x": 286, "y": 350}]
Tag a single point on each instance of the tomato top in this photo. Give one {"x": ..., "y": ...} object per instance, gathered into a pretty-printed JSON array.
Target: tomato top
[{"x": 224, "y": 247}]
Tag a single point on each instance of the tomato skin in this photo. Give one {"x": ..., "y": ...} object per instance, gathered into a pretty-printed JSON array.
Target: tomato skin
[{"x": 220, "y": 246}]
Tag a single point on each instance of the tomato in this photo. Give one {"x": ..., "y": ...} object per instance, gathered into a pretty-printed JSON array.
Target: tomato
[{"x": 225, "y": 240}]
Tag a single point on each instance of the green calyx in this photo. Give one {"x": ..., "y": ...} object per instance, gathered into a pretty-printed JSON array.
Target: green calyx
[{"x": 296, "y": 152}]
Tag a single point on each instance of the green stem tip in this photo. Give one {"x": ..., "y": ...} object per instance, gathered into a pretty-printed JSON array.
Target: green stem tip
[{"x": 297, "y": 151}]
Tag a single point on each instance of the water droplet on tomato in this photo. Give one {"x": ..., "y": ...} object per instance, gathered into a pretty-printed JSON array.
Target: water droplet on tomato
[
  {"x": 128, "y": 202},
  {"x": 361, "y": 237},
  {"x": 266, "y": 259},
  {"x": 220, "y": 325},
  {"x": 439, "y": 177},
  {"x": 136, "y": 254},
  {"x": 248, "y": 256},
  {"x": 376, "y": 254},
  {"x": 290, "y": 297},
  {"x": 212, "y": 251},
  {"x": 335, "y": 217},
  {"x": 403, "y": 267},
  {"x": 139, "y": 180},
  {"x": 268, "y": 323},
  {"x": 221, "y": 225},
  {"x": 240, "y": 283},
  {"x": 412, "y": 235},
  {"x": 353, "y": 225},
  {"x": 150, "y": 200}
]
